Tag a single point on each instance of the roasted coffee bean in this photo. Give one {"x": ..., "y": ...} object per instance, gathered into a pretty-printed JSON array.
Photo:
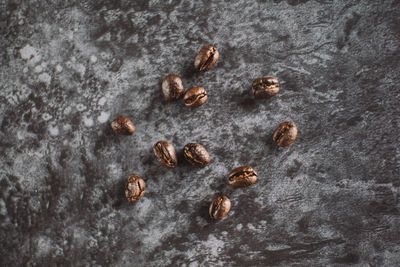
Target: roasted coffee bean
[
  {"x": 196, "y": 155},
  {"x": 285, "y": 134},
  {"x": 219, "y": 207},
  {"x": 135, "y": 188},
  {"x": 172, "y": 87},
  {"x": 206, "y": 58},
  {"x": 165, "y": 154},
  {"x": 242, "y": 176},
  {"x": 195, "y": 97},
  {"x": 265, "y": 87},
  {"x": 123, "y": 125}
]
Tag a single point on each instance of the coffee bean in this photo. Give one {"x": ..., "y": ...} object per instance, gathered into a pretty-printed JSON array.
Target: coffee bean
[
  {"x": 285, "y": 134},
  {"x": 123, "y": 125},
  {"x": 265, "y": 87},
  {"x": 206, "y": 58},
  {"x": 195, "y": 97},
  {"x": 135, "y": 188},
  {"x": 242, "y": 176},
  {"x": 196, "y": 155},
  {"x": 172, "y": 87},
  {"x": 219, "y": 207},
  {"x": 165, "y": 154}
]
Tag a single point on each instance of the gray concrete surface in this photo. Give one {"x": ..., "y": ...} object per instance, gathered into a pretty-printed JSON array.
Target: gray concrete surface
[{"x": 69, "y": 67}]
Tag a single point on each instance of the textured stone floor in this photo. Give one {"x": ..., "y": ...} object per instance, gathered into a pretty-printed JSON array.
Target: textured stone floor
[{"x": 69, "y": 67}]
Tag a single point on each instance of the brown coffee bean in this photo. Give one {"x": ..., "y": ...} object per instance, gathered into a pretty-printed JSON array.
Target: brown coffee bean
[
  {"x": 123, "y": 125},
  {"x": 242, "y": 176},
  {"x": 219, "y": 207},
  {"x": 196, "y": 155},
  {"x": 172, "y": 87},
  {"x": 285, "y": 134},
  {"x": 165, "y": 154},
  {"x": 265, "y": 87},
  {"x": 195, "y": 97},
  {"x": 206, "y": 58},
  {"x": 135, "y": 188}
]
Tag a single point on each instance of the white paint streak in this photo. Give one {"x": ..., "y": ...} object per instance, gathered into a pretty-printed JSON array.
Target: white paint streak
[
  {"x": 59, "y": 68},
  {"x": 67, "y": 110},
  {"x": 102, "y": 101},
  {"x": 300, "y": 70},
  {"x": 38, "y": 69},
  {"x": 3, "y": 208},
  {"x": 104, "y": 116},
  {"x": 30, "y": 54},
  {"x": 93, "y": 59},
  {"x": 88, "y": 121},
  {"x": 53, "y": 130},
  {"x": 46, "y": 116},
  {"x": 44, "y": 77},
  {"x": 43, "y": 245}
]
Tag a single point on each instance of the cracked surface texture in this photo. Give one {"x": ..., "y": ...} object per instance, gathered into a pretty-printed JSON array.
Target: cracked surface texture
[{"x": 69, "y": 67}]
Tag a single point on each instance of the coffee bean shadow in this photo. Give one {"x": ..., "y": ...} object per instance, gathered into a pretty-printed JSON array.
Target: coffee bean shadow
[
  {"x": 184, "y": 170},
  {"x": 220, "y": 185},
  {"x": 149, "y": 158},
  {"x": 201, "y": 231},
  {"x": 152, "y": 169},
  {"x": 157, "y": 101},
  {"x": 270, "y": 143},
  {"x": 244, "y": 100},
  {"x": 247, "y": 101},
  {"x": 203, "y": 210},
  {"x": 189, "y": 72},
  {"x": 182, "y": 162},
  {"x": 117, "y": 195},
  {"x": 106, "y": 139},
  {"x": 160, "y": 108}
]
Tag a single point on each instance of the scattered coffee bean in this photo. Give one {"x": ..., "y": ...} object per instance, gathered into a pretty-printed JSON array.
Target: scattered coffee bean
[
  {"x": 195, "y": 97},
  {"x": 165, "y": 154},
  {"x": 242, "y": 176},
  {"x": 219, "y": 207},
  {"x": 135, "y": 188},
  {"x": 196, "y": 155},
  {"x": 285, "y": 134},
  {"x": 206, "y": 58},
  {"x": 123, "y": 125},
  {"x": 265, "y": 87},
  {"x": 172, "y": 87}
]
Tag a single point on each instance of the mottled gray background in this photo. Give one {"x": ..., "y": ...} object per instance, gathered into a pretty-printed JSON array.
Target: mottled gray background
[{"x": 69, "y": 67}]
